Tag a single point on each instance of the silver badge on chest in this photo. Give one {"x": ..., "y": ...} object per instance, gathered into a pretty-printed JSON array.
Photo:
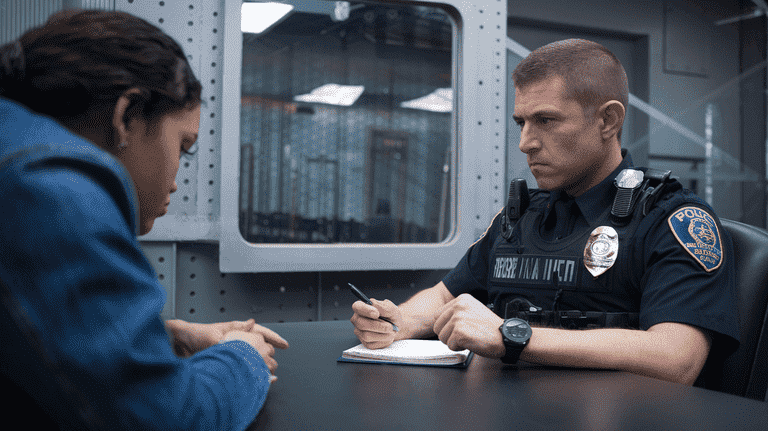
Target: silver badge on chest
[{"x": 601, "y": 250}]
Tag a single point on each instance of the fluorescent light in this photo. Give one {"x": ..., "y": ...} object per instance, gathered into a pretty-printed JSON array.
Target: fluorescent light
[
  {"x": 333, "y": 94},
  {"x": 440, "y": 100},
  {"x": 257, "y": 17}
]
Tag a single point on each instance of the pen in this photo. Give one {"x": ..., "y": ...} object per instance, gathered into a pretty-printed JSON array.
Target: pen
[{"x": 365, "y": 299}]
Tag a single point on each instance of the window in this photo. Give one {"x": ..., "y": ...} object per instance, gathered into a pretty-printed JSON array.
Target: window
[
  {"x": 342, "y": 129},
  {"x": 345, "y": 123}
]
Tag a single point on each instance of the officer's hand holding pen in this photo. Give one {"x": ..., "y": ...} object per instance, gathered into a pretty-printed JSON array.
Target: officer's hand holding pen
[{"x": 375, "y": 321}]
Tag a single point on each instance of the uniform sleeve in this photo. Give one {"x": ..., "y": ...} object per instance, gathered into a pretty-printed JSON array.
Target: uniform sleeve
[
  {"x": 690, "y": 276},
  {"x": 91, "y": 298},
  {"x": 471, "y": 274}
]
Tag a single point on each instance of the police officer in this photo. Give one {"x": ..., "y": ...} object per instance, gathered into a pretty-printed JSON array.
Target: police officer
[{"x": 626, "y": 253}]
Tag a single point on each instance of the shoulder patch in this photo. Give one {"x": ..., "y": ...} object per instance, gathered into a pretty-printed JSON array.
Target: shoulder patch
[
  {"x": 488, "y": 228},
  {"x": 697, "y": 232}
]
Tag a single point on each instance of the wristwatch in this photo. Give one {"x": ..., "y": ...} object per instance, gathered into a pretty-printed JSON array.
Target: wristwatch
[{"x": 515, "y": 333}]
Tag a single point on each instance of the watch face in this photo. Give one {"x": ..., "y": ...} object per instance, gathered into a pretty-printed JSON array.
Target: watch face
[{"x": 517, "y": 330}]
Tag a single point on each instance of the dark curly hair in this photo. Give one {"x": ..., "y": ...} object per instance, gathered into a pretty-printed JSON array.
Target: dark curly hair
[{"x": 78, "y": 64}]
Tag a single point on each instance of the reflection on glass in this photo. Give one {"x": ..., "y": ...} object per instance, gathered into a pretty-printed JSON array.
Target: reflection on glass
[{"x": 346, "y": 125}]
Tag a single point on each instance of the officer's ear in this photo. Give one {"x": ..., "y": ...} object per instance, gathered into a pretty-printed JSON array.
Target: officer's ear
[{"x": 611, "y": 114}]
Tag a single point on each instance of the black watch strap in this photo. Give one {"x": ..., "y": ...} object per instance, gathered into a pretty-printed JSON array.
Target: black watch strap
[{"x": 512, "y": 354}]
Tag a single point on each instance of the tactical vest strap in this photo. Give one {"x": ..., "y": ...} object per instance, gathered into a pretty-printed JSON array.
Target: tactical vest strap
[
  {"x": 577, "y": 319},
  {"x": 656, "y": 180},
  {"x": 569, "y": 319}
]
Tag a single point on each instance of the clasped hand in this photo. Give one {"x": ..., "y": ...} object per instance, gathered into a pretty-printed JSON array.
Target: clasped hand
[
  {"x": 465, "y": 323},
  {"x": 190, "y": 338},
  {"x": 462, "y": 323}
]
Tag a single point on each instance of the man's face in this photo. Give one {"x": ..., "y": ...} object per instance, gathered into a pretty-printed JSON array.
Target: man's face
[{"x": 562, "y": 141}]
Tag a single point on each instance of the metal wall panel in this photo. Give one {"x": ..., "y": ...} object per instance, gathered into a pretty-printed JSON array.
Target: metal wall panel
[
  {"x": 96, "y": 4},
  {"x": 204, "y": 294},
  {"x": 162, "y": 256},
  {"x": 18, "y": 16}
]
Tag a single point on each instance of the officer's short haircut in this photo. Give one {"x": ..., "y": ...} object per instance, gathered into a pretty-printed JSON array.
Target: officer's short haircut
[{"x": 592, "y": 74}]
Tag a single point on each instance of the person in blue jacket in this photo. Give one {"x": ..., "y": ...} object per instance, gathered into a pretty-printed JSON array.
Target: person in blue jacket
[{"x": 96, "y": 109}]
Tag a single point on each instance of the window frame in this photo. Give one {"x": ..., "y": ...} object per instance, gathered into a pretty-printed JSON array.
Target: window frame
[{"x": 475, "y": 193}]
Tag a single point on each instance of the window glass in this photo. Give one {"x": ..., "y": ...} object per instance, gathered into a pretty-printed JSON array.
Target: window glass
[{"x": 345, "y": 129}]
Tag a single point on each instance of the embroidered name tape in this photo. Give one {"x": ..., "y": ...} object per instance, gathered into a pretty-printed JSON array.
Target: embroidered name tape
[
  {"x": 533, "y": 270},
  {"x": 697, "y": 232}
]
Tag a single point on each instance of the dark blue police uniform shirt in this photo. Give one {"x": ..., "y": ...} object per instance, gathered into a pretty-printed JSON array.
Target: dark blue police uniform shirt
[
  {"x": 676, "y": 288},
  {"x": 81, "y": 304}
]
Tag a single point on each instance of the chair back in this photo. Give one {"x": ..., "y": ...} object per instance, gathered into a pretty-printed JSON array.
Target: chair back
[{"x": 745, "y": 372}]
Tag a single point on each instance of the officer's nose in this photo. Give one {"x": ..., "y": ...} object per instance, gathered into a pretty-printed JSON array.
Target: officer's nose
[
  {"x": 528, "y": 141},
  {"x": 174, "y": 187}
]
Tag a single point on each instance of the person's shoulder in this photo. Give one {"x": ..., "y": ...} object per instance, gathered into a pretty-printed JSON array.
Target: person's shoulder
[
  {"x": 679, "y": 197},
  {"x": 694, "y": 225},
  {"x": 60, "y": 168}
]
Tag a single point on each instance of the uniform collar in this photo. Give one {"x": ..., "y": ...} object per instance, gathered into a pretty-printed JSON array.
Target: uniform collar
[{"x": 593, "y": 202}]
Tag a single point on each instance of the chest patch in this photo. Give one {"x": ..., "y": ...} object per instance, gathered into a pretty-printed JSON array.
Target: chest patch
[{"x": 697, "y": 232}]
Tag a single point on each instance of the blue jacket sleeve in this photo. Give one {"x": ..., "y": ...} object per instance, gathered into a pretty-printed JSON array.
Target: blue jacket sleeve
[{"x": 73, "y": 265}]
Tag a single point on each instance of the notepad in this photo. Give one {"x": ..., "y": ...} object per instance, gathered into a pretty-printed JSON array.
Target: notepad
[{"x": 410, "y": 352}]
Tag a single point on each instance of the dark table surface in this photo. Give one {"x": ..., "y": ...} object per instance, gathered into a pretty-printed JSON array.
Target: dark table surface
[{"x": 315, "y": 392}]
